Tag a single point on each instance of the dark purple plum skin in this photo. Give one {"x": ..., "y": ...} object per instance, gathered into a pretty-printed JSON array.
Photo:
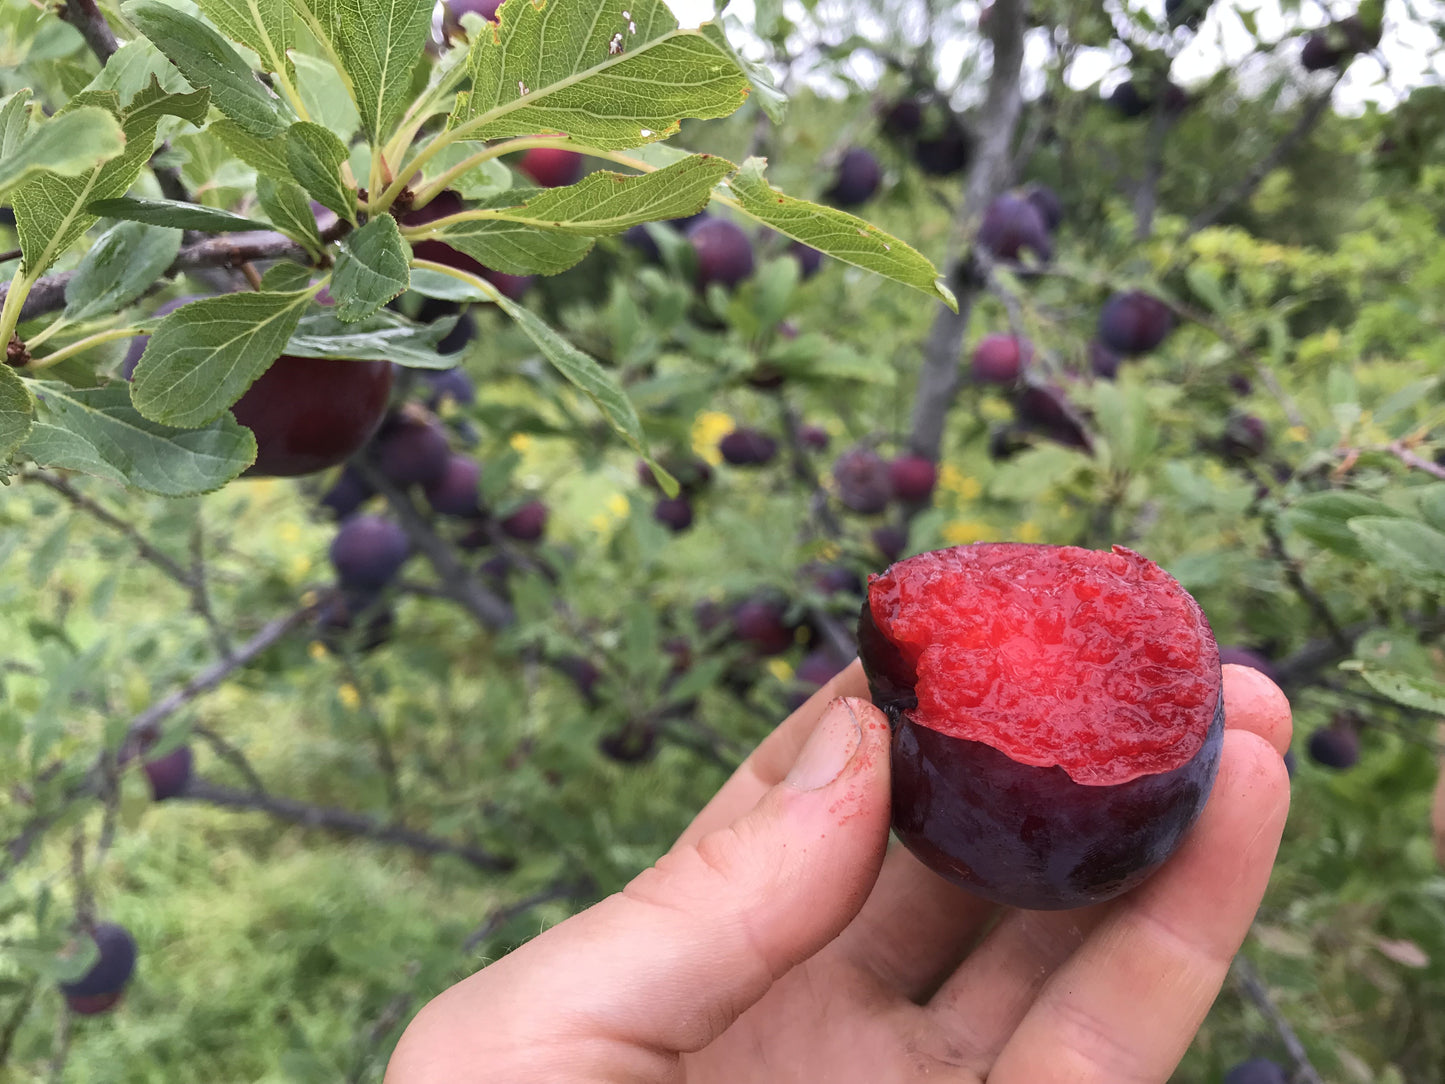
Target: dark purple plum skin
[
  {"x": 1020, "y": 835},
  {"x": 100, "y": 987}
]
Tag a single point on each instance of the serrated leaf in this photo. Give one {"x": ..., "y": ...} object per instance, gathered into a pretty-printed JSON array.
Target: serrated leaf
[
  {"x": 174, "y": 214},
  {"x": 314, "y": 157},
  {"x": 581, "y": 67},
  {"x": 131, "y": 68},
  {"x": 1412, "y": 690},
  {"x": 324, "y": 94},
  {"x": 1403, "y": 545},
  {"x": 263, "y": 26},
  {"x": 207, "y": 60},
  {"x": 1323, "y": 518},
  {"x": 98, "y": 431},
  {"x": 286, "y": 277},
  {"x": 289, "y": 210},
  {"x": 582, "y": 370},
  {"x": 202, "y": 357},
  {"x": 14, "y": 121},
  {"x": 371, "y": 269},
  {"x": 266, "y": 156},
  {"x": 605, "y": 203},
  {"x": 67, "y": 144},
  {"x": 438, "y": 284},
  {"x": 122, "y": 264},
  {"x": 1432, "y": 505},
  {"x": 836, "y": 233},
  {"x": 773, "y": 102},
  {"x": 50, "y": 210},
  {"x": 17, "y": 412},
  {"x": 380, "y": 43},
  {"x": 484, "y": 181},
  {"x": 384, "y": 336},
  {"x": 513, "y": 248}
]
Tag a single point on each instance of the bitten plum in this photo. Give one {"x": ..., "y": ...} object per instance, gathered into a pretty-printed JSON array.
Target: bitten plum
[
  {"x": 857, "y": 179},
  {"x": 912, "y": 478},
  {"x": 1001, "y": 359},
  {"x": 1011, "y": 226},
  {"x": 724, "y": 251},
  {"x": 169, "y": 775},
  {"x": 100, "y": 988},
  {"x": 552, "y": 167},
  {"x": 1057, "y": 712},
  {"x": 1134, "y": 323},
  {"x": 368, "y": 551}
]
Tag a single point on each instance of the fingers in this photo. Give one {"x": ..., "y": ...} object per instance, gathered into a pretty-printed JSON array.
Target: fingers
[
  {"x": 1126, "y": 1005},
  {"x": 1252, "y": 702},
  {"x": 770, "y": 761},
  {"x": 668, "y": 964}
]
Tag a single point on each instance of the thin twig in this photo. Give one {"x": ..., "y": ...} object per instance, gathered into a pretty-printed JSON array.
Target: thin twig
[
  {"x": 231, "y": 754},
  {"x": 566, "y": 888},
  {"x": 1253, "y": 986},
  {"x": 1309, "y": 595},
  {"x": 98, "y": 511},
  {"x": 201, "y": 596},
  {"x": 1402, "y": 452}
]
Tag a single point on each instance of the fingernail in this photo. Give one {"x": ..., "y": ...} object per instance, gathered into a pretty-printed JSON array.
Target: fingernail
[{"x": 829, "y": 749}]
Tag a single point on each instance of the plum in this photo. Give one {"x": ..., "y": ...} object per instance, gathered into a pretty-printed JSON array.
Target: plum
[
  {"x": 1128, "y": 101},
  {"x": 453, "y": 384},
  {"x": 817, "y": 669},
  {"x": 1104, "y": 361},
  {"x": 528, "y": 523},
  {"x": 455, "y": 492},
  {"x": 1001, "y": 359},
  {"x": 830, "y": 580},
  {"x": 347, "y": 494},
  {"x": 444, "y": 204},
  {"x": 901, "y": 119},
  {"x": 912, "y": 478},
  {"x": 1134, "y": 322},
  {"x": 1337, "y": 43},
  {"x": 1335, "y": 746},
  {"x": 761, "y": 623},
  {"x": 368, "y": 552},
  {"x": 857, "y": 179},
  {"x": 169, "y": 775},
  {"x": 632, "y": 743},
  {"x": 412, "y": 451},
  {"x": 1245, "y": 437},
  {"x": 343, "y": 610},
  {"x": 862, "y": 479},
  {"x": 724, "y": 251},
  {"x": 674, "y": 513},
  {"x": 944, "y": 154},
  {"x": 100, "y": 988},
  {"x": 1057, "y": 714},
  {"x": 1047, "y": 203},
  {"x": 1048, "y": 409},
  {"x": 552, "y": 167},
  {"x": 457, "y": 339},
  {"x": 582, "y": 672},
  {"x": 810, "y": 260},
  {"x": 1011, "y": 226},
  {"x": 745, "y": 447},
  {"x": 1257, "y": 1071},
  {"x": 891, "y": 540}
]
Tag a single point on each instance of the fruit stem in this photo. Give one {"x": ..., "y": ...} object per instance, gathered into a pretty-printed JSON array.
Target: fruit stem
[{"x": 434, "y": 188}]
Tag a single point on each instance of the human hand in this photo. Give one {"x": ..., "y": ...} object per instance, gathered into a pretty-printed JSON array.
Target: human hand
[{"x": 781, "y": 939}]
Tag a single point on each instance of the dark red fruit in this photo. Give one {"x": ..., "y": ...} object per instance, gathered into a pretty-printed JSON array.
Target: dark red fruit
[
  {"x": 1058, "y": 716},
  {"x": 1047, "y": 203},
  {"x": 169, "y": 775},
  {"x": 675, "y": 513},
  {"x": 857, "y": 179},
  {"x": 945, "y": 154},
  {"x": 814, "y": 437},
  {"x": 912, "y": 478},
  {"x": 368, "y": 551},
  {"x": 309, "y": 414},
  {"x": 1047, "y": 409},
  {"x": 863, "y": 483},
  {"x": 1257, "y": 1071},
  {"x": 410, "y": 451},
  {"x": 340, "y": 613},
  {"x": 761, "y": 623},
  {"x": 1011, "y": 226},
  {"x": 816, "y": 670},
  {"x": 901, "y": 119},
  {"x": 1335, "y": 746},
  {"x": 443, "y": 205},
  {"x": 347, "y": 494},
  {"x": 724, "y": 251},
  {"x": 101, "y": 987},
  {"x": 891, "y": 540},
  {"x": 138, "y": 344},
  {"x": 1134, "y": 323},
  {"x": 552, "y": 167},
  {"x": 455, "y": 492},
  {"x": 528, "y": 523},
  {"x": 457, "y": 339},
  {"x": 810, "y": 260},
  {"x": 745, "y": 447},
  {"x": 1243, "y": 656},
  {"x": 1102, "y": 360},
  {"x": 1001, "y": 359}
]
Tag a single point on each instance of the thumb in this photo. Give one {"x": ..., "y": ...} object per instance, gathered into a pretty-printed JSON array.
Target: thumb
[{"x": 666, "y": 965}]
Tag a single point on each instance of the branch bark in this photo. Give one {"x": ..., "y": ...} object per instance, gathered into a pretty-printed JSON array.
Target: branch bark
[
  {"x": 85, "y": 16},
  {"x": 1255, "y": 990}
]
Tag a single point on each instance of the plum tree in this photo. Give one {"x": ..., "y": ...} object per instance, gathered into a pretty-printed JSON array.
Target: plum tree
[
  {"x": 912, "y": 478},
  {"x": 368, "y": 552},
  {"x": 724, "y": 251},
  {"x": 861, "y": 476},
  {"x": 309, "y": 414},
  {"x": 747, "y": 447},
  {"x": 552, "y": 167},
  {"x": 1134, "y": 322},
  {"x": 411, "y": 451},
  {"x": 454, "y": 493},
  {"x": 674, "y": 513},
  {"x": 169, "y": 775},
  {"x": 100, "y": 988},
  {"x": 527, "y": 523},
  {"x": 1001, "y": 359},
  {"x": 1011, "y": 226},
  {"x": 1257, "y": 1071},
  {"x": 857, "y": 178}
]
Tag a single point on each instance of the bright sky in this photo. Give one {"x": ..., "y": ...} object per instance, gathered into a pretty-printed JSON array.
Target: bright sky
[{"x": 1223, "y": 41}]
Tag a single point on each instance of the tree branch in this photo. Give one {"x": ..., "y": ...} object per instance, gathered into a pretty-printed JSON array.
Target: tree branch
[
  {"x": 1248, "y": 980},
  {"x": 1311, "y": 598},
  {"x": 85, "y": 16},
  {"x": 566, "y": 888},
  {"x": 342, "y": 821}
]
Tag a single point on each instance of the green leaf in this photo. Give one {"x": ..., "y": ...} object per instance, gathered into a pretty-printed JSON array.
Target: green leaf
[
  {"x": 1432, "y": 505},
  {"x": 1403, "y": 545},
  {"x": 1412, "y": 690},
  {"x": 266, "y": 156},
  {"x": 131, "y": 68},
  {"x": 380, "y": 44},
  {"x": 582, "y": 370},
  {"x": 604, "y": 202},
  {"x": 608, "y": 81},
  {"x": 202, "y": 357},
  {"x": 773, "y": 102},
  {"x": 50, "y": 211},
  {"x": 315, "y": 158},
  {"x": 263, "y": 26},
  {"x": 289, "y": 210},
  {"x": 513, "y": 248},
  {"x": 438, "y": 284},
  {"x": 1323, "y": 518},
  {"x": 840, "y": 235},
  {"x": 484, "y": 181},
  {"x": 173, "y": 213},
  {"x": 371, "y": 269},
  {"x": 324, "y": 93},
  {"x": 67, "y": 144},
  {"x": 122, "y": 264},
  {"x": 98, "y": 431},
  {"x": 14, "y": 122},
  {"x": 207, "y": 60},
  {"x": 17, "y": 412},
  {"x": 384, "y": 336}
]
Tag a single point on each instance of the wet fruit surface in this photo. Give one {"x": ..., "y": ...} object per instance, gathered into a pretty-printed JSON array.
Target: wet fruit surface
[{"x": 1057, "y": 715}]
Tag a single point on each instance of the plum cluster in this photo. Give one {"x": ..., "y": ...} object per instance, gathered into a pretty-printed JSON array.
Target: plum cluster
[
  {"x": 1335, "y": 45},
  {"x": 930, "y": 132}
]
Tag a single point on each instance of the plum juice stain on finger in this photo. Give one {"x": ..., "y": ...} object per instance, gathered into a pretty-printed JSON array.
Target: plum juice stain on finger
[{"x": 1057, "y": 713}]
